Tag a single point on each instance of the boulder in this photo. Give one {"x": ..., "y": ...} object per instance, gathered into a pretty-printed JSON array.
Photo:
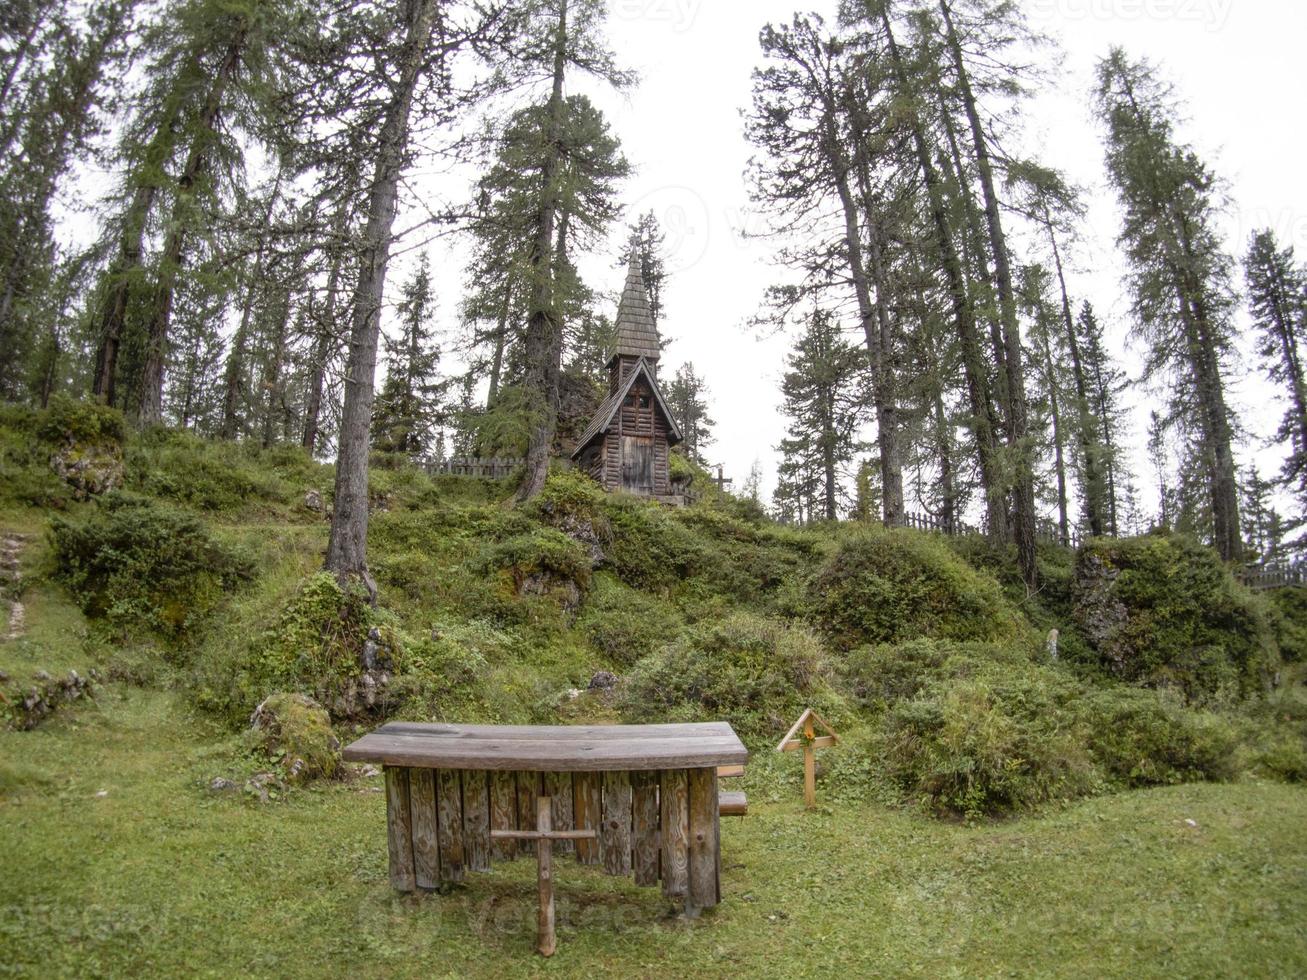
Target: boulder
[
  {"x": 296, "y": 731},
  {"x": 90, "y": 470}
]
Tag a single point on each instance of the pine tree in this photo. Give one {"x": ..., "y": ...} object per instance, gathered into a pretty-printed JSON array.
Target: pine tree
[
  {"x": 408, "y": 407},
  {"x": 688, "y": 399},
  {"x": 825, "y": 397},
  {"x": 1277, "y": 295},
  {"x": 1105, "y": 383},
  {"x": 1181, "y": 274}
]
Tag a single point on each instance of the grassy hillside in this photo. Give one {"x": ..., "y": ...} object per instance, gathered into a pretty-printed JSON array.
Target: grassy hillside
[{"x": 183, "y": 576}]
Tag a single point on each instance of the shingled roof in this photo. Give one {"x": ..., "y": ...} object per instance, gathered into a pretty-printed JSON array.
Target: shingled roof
[
  {"x": 637, "y": 334},
  {"x": 608, "y": 410}
]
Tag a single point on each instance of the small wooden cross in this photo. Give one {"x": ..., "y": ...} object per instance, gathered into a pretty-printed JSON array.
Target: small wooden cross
[
  {"x": 544, "y": 835},
  {"x": 809, "y": 742}
]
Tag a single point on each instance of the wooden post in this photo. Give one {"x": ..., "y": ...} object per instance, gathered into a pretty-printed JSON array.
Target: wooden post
[
  {"x": 544, "y": 835},
  {"x": 809, "y": 743},
  {"x": 399, "y": 830}
]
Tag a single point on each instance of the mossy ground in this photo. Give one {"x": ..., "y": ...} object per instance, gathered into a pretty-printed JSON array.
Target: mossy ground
[{"x": 160, "y": 877}]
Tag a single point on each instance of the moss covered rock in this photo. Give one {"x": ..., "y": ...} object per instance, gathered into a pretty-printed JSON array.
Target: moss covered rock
[
  {"x": 1162, "y": 610},
  {"x": 86, "y": 445},
  {"x": 295, "y": 731}
]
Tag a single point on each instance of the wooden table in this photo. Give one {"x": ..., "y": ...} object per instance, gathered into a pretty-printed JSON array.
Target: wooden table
[{"x": 648, "y": 791}]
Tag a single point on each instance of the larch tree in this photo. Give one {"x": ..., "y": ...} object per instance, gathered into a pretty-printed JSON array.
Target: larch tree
[
  {"x": 1277, "y": 295},
  {"x": 1180, "y": 276},
  {"x": 418, "y": 43},
  {"x": 813, "y": 114}
]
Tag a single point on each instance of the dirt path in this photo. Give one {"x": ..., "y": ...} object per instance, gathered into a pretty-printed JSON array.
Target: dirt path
[{"x": 11, "y": 545}]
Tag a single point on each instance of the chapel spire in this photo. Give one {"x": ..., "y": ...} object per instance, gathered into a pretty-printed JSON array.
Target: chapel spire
[{"x": 637, "y": 333}]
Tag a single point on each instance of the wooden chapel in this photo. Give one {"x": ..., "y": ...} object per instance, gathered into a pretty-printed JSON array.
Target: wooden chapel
[{"x": 626, "y": 446}]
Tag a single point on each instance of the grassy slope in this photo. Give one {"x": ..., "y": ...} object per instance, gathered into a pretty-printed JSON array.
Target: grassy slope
[{"x": 160, "y": 877}]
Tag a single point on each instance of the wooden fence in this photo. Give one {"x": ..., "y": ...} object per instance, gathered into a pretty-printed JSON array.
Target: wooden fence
[
  {"x": 487, "y": 469},
  {"x": 1274, "y": 576},
  {"x": 1045, "y": 530}
]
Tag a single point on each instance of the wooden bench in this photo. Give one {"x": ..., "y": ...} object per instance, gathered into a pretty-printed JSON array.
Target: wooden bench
[{"x": 732, "y": 804}]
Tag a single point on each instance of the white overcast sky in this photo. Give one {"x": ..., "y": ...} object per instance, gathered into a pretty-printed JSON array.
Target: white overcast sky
[{"x": 1238, "y": 64}]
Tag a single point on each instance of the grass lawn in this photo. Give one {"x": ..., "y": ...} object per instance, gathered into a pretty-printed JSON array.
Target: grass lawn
[{"x": 159, "y": 877}]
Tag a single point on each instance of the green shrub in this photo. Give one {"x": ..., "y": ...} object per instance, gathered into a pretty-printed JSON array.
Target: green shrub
[
  {"x": 1290, "y": 621},
  {"x": 987, "y": 745},
  {"x": 1283, "y": 757},
  {"x": 625, "y": 625},
  {"x": 84, "y": 422},
  {"x": 137, "y": 563},
  {"x": 889, "y": 586},
  {"x": 544, "y": 552},
  {"x": 756, "y": 673},
  {"x": 211, "y": 476},
  {"x": 879, "y": 676},
  {"x": 1163, "y": 611},
  {"x": 650, "y": 550},
  {"x": 1142, "y": 738}
]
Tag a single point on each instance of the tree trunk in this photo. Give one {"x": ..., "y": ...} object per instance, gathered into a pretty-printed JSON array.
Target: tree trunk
[
  {"x": 150, "y": 409},
  {"x": 542, "y": 324},
  {"x": 501, "y": 341},
  {"x": 1059, "y": 451},
  {"x": 347, "y": 545},
  {"x": 1023, "y": 495},
  {"x": 113, "y": 309},
  {"x": 876, "y": 325},
  {"x": 233, "y": 380},
  {"x": 326, "y": 333}
]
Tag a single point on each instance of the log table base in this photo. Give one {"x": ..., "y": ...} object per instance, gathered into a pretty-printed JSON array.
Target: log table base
[
  {"x": 544, "y": 835},
  {"x": 636, "y": 800}
]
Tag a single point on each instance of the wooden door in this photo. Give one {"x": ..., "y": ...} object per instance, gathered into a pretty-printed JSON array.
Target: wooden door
[{"x": 637, "y": 464}]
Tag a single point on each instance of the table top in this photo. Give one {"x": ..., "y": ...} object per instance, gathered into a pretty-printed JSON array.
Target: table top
[{"x": 551, "y": 748}]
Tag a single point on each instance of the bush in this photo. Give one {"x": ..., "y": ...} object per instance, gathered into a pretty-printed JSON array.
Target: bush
[
  {"x": 756, "y": 673},
  {"x": 889, "y": 586},
  {"x": 1290, "y": 622},
  {"x": 880, "y": 676},
  {"x": 650, "y": 550},
  {"x": 1141, "y": 738},
  {"x": 980, "y": 746},
  {"x": 626, "y": 626},
  {"x": 83, "y": 422},
  {"x": 137, "y": 563},
  {"x": 1163, "y": 611},
  {"x": 544, "y": 553},
  {"x": 210, "y": 476}
]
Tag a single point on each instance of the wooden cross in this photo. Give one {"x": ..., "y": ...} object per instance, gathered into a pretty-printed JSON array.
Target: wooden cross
[
  {"x": 809, "y": 742},
  {"x": 544, "y": 835},
  {"x": 722, "y": 479}
]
